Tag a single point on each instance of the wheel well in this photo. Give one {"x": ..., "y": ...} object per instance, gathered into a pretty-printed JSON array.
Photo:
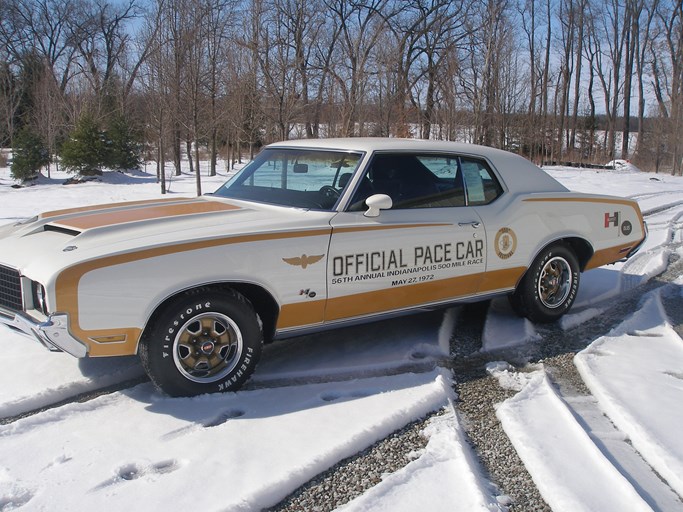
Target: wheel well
[
  {"x": 263, "y": 303},
  {"x": 582, "y": 248}
]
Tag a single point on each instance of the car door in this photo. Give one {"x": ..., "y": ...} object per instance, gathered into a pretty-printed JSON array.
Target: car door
[{"x": 428, "y": 248}]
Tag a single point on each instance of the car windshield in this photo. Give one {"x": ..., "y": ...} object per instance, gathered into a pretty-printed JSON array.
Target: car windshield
[{"x": 300, "y": 178}]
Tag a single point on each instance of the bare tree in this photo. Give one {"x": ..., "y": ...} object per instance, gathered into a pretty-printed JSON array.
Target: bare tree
[
  {"x": 99, "y": 34},
  {"x": 568, "y": 17},
  {"x": 483, "y": 81},
  {"x": 42, "y": 28},
  {"x": 670, "y": 78},
  {"x": 580, "y": 14},
  {"x": 529, "y": 21},
  {"x": 218, "y": 27},
  {"x": 48, "y": 118},
  {"x": 10, "y": 98},
  {"x": 156, "y": 79},
  {"x": 361, "y": 28},
  {"x": 644, "y": 41}
]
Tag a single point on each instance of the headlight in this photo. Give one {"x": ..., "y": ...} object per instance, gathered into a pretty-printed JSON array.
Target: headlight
[{"x": 39, "y": 297}]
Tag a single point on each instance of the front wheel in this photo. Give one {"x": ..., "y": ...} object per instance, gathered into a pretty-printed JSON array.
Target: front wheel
[
  {"x": 203, "y": 342},
  {"x": 548, "y": 289}
]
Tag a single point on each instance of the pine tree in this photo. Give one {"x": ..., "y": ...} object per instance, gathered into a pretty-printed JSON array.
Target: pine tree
[
  {"x": 84, "y": 151},
  {"x": 29, "y": 154},
  {"x": 123, "y": 146}
]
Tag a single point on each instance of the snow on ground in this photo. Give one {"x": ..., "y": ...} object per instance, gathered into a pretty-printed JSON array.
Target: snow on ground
[
  {"x": 318, "y": 399},
  {"x": 240, "y": 451},
  {"x": 442, "y": 477},
  {"x": 569, "y": 470},
  {"x": 579, "y": 461},
  {"x": 636, "y": 374}
]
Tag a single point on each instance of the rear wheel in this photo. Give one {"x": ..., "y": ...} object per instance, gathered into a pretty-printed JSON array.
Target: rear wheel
[
  {"x": 548, "y": 289},
  {"x": 203, "y": 342}
]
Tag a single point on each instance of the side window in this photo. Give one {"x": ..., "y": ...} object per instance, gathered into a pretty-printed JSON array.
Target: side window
[
  {"x": 413, "y": 181},
  {"x": 482, "y": 186}
]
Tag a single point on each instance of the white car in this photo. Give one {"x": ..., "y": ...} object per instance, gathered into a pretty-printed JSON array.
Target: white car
[{"x": 312, "y": 235}]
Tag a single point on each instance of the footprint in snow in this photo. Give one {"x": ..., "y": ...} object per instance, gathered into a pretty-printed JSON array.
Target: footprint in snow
[
  {"x": 223, "y": 417},
  {"x": 333, "y": 397},
  {"x": 14, "y": 496},
  {"x": 133, "y": 471}
]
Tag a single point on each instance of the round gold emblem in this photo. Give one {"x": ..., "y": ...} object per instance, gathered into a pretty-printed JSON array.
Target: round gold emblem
[{"x": 505, "y": 243}]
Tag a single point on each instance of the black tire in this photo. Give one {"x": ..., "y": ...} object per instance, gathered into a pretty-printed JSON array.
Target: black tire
[
  {"x": 205, "y": 341},
  {"x": 548, "y": 289}
]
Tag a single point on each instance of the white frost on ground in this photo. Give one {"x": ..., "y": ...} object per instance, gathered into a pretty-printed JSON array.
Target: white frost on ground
[
  {"x": 381, "y": 347},
  {"x": 54, "y": 376},
  {"x": 508, "y": 377}
]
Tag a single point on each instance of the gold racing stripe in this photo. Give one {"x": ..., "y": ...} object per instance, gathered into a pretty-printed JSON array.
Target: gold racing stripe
[
  {"x": 608, "y": 200},
  {"x": 356, "y": 229},
  {"x": 109, "y": 206},
  {"x": 609, "y": 255},
  {"x": 98, "y": 220},
  {"x": 397, "y": 298}
]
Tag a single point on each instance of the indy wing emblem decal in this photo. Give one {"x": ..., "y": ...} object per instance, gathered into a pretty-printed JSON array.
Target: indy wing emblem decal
[{"x": 303, "y": 261}]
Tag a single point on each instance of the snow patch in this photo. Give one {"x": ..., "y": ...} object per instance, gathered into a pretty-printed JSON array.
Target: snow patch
[
  {"x": 570, "y": 472},
  {"x": 444, "y": 478},
  {"x": 137, "y": 449},
  {"x": 634, "y": 372},
  {"x": 504, "y": 329},
  {"x": 508, "y": 377}
]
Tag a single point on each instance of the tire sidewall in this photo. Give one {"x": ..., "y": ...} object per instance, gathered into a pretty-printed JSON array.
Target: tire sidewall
[
  {"x": 159, "y": 346},
  {"x": 536, "y": 310}
]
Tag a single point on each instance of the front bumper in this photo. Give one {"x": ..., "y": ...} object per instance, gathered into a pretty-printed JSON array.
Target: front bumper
[{"x": 53, "y": 333}]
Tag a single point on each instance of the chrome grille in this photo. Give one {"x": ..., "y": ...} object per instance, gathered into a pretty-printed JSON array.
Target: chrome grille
[{"x": 10, "y": 289}]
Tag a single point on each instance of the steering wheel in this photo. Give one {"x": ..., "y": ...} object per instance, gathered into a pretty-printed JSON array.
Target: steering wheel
[{"x": 330, "y": 192}]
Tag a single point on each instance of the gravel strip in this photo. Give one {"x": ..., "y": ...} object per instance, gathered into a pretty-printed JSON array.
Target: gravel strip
[
  {"x": 492, "y": 446},
  {"x": 354, "y": 476},
  {"x": 477, "y": 395}
]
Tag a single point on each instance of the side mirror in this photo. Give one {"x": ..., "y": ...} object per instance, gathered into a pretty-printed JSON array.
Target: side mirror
[
  {"x": 300, "y": 168},
  {"x": 376, "y": 203}
]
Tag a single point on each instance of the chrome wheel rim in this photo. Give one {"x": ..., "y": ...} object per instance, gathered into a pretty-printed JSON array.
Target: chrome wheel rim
[
  {"x": 555, "y": 282},
  {"x": 207, "y": 347}
]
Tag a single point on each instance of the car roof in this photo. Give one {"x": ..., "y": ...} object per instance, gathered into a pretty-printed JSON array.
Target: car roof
[
  {"x": 383, "y": 144},
  {"x": 519, "y": 174}
]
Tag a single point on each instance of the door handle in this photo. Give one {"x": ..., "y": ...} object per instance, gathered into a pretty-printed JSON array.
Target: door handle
[{"x": 474, "y": 224}]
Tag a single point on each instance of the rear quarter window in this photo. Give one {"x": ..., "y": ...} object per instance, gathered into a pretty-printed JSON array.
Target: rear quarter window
[{"x": 481, "y": 184}]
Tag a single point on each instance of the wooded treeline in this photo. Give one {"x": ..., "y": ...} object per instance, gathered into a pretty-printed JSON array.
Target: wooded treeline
[{"x": 551, "y": 79}]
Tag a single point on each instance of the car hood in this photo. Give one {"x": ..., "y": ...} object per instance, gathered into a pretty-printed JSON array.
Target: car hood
[{"x": 61, "y": 238}]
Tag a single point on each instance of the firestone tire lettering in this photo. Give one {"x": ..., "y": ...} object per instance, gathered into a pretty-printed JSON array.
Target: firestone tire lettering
[
  {"x": 205, "y": 341},
  {"x": 548, "y": 289}
]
